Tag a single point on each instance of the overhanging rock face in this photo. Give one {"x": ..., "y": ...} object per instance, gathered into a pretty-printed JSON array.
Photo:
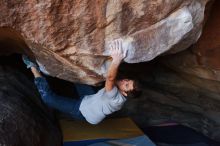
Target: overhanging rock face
[
  {"x": 203, "y": 58},
  {"x": 70, "y": 38}
]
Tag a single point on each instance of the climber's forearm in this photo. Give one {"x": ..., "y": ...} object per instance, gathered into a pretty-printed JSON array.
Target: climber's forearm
[
  {"x": 117, "y": 55},
  {"x": 113, "y": 69},
  {"x": 111, "y": 75}
]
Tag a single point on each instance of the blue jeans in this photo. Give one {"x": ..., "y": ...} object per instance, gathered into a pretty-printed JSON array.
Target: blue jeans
[{"x": 63, "y": 104}]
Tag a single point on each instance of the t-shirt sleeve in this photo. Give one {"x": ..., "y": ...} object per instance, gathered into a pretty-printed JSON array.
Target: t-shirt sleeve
[{"x": 112, "y": 93}]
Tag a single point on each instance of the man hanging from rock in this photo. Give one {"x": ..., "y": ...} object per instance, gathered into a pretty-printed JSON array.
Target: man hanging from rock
[{"x": 92, "y": 107}]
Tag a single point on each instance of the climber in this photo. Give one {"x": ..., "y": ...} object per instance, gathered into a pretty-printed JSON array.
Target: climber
[{"x": 92, "y": 107}]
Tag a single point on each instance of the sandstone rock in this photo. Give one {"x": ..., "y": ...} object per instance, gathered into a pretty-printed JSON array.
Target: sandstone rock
[
  {"x": 70, "y": 38},
  {"x": 24, "y": 120},
  {"x": 203, "y": 58},
  {"x": 169, "y": 96}
]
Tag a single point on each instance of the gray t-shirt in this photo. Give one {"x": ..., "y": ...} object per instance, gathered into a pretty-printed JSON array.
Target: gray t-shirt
[{"x": 97, "y": 106}]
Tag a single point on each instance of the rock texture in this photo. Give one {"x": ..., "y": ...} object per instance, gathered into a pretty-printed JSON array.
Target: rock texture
[
  {"x": 70, "y": 38},
  {"x": 184, "y": 87},
  {"x": 169, "y": 96},
  {"x": 202, "y": 59},
  {"x": 24, "y": 120}
]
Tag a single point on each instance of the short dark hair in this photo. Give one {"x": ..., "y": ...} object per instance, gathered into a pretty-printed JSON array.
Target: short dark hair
[{"x": 136, "y": 92}]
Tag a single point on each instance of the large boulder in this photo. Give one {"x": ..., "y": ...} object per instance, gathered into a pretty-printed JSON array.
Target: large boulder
[
  {"x": 202, "y": 59},
  {"x": 170, "y": 96},
  {"x": 70, "y": 38},
  {"x": 24, "y": 120}
]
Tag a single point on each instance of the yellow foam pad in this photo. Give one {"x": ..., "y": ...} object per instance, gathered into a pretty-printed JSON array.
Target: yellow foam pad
[{"x": 108, "y": 129}]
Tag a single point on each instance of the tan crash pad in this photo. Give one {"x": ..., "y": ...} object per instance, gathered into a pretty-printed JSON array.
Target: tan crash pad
[{"x": 108, "y": 129}]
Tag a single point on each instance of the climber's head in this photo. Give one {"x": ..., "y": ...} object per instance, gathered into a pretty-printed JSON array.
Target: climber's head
[{"x": 128, "y": 87}]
